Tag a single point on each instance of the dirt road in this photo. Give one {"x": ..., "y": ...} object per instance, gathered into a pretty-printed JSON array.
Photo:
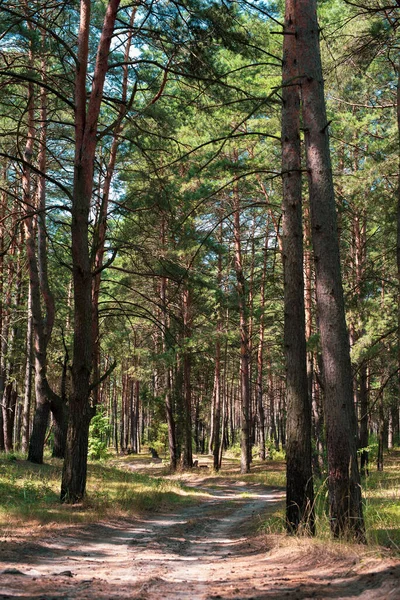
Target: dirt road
[{"x": 203, "y": 552}]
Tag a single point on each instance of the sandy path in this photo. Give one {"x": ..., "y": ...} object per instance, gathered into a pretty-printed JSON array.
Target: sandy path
[{"x": 204, "y": 552}]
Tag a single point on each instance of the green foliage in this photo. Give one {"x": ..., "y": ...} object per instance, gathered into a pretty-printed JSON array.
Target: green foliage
[
  {"x": 372, "y": 450},
  {"x": 159, "y": 441},
  {"x": 99, "y": 432},
  {"x": 233, "y": 451},
  {"x": 272, "y": 452}
]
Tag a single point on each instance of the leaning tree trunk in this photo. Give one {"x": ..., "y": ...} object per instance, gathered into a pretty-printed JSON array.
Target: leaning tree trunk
[
  {"x": 39, "y": 282},
  {"x": 344, "y": 479},
  {"x": 100, "y": 228},
  {"x": 46, "y": 398},
  {"x": 58, "y": 403},
  {"x": 299, "y": 483}
]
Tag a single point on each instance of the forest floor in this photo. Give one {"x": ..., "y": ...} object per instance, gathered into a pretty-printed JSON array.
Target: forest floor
[{"x": 205, "y": 551}]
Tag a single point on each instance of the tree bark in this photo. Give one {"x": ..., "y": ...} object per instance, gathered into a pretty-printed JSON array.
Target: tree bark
[
  {"x": 100, "y": 232},
  {"x": 26, "y": 414},
  {"x": 5, "y": 337},
  {"x": 245, "y": 458},
  {"x": 260, "y": 353},
  {"x": 344, "y": 480},
  {"x": 169, "y": 412},
  {"x": 73, "y": 484},
  {"x": 398, "y": 223},
  {"x": 9, "y": 404},
  {"x": 217, "y": 455},
  {"x": 3, "y": 206},
  {"x": 187, "y": 384},
  {"x": 135, "y": 400},
  {"x": 11, "y": 336},
  {"x": 40, "y": 289},
  {"x": 381, "y": 433},
  {"x": 299, "y": 482}
]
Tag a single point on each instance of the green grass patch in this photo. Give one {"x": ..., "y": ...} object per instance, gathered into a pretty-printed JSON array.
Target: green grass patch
[
  {"x": 271, "y": 473},
  {"x": 381, "y": 492},
  {"x": 30, "y": 494},
  {"x": 381, "y": 503}
]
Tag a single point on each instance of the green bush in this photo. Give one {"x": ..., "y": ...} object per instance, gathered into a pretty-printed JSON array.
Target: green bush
[
  {"x": 272, "y": 452},
  {"x": 98, "y": 433},
  {"x": 372, "y": 449},
  {"x": 158, "y": 439}
]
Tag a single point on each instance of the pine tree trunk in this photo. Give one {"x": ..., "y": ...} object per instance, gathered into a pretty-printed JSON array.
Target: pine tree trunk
[
  {"x": 217, "y": 416},
  {"x": 245, "y": 441},
  {"x": 273, "y": 432},
  {"x": 299, "y": 482},
  {"x": 41, "y": 294},
  {"x": 9, "y": 404},
  {"x": 381, "y": 422},
  {"x": 38, "y": 436},
  {"x": 59, "y": 413},
  {"x": 10, "y": 341},
  {"x": 187, "y": 384},
  {"x": 73, "y": 483},
  {"x": 363, "y": 437},
  {"x": 4, "y": 333},
  {"x": 134, "y": 393},
  {"x": 3, "y": 205},
  {"x": 398, "y": 225},
  {"x": 316, "y": 411},
  {"x": 217, "y": 372},
  {"x": 172, "y": 444},
  {"x": 26, "y": 415},
  {"x": 114, "y": 400},
  {"x": 169, "y": 412},
  {"x": 344, "y": 480},
  {"x": 212, "y": 415},
  {"x": 260, "y": 354}
]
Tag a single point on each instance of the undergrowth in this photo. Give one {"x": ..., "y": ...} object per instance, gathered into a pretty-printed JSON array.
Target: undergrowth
[{"x": 381, "y": 507}]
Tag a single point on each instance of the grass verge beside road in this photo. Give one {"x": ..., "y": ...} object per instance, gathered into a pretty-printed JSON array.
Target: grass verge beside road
[{"x": 123, "y": 487}]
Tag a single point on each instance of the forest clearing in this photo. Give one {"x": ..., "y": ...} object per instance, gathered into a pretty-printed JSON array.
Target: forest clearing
[{"x": 199, "y": 535}]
